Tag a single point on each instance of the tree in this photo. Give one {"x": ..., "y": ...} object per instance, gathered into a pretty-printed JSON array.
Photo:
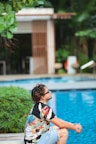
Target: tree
[
  {"x": 86, "y": 20},
  {"x": 81, "y": 26},
  {"x": 8, "y": 24}
]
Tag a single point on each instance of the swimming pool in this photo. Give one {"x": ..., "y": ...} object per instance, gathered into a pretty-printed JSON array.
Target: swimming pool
[
  {"x": 77, "y": 106},
  {"x": 63, "y": 79},
  {"x": 54, "y": 83},
  {"x": 74, "y": 100}
]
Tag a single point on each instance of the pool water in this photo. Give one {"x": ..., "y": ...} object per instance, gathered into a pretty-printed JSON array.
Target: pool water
[
  {"x": 77, "y": 106},
  {"x": 47, "y": 80}
]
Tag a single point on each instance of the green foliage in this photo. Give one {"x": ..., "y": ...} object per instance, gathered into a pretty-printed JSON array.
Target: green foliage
[
  {"x": 8, "y": 24},
  {"x": 62, "y": 54},
  {"x": 83, "y": 59},
  {"x": 16, "y": 5},
  {"x": 94, "y": 56},
  {"x": 87, "y": 33},
  {"x": 7, "y": 21},
  {"x": 86, "y": 21},
  {"x": 82, "y": 17},
  {"x": 61, "y": 11},
  {"x": 87, "y": 25},
  {"x": 15, "y": 102},
  {"x": 61, "y": 71},
  {"x": 47, "y": 4}
]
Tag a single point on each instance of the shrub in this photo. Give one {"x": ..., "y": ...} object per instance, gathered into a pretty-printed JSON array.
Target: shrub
[
  {"x": 83, "y": 59},
  {"x": 15, "y": 102},
  {"x": 61, "y": 71},
  {"x": 62, "y": 53}
]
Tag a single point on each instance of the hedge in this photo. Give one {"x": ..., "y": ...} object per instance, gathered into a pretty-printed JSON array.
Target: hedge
[{"x": 15, "y": 103}]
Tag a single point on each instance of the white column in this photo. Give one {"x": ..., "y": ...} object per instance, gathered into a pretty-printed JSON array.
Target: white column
[
  {"x": 71, "y": 60},
  {"x": 31, "y": 65},
  {"x": 30, "y": 61},
  {"x": 50, "y": 46}
]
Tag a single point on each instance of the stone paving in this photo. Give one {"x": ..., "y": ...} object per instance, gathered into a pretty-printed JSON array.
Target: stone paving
[{"x": 12, "y": 138}]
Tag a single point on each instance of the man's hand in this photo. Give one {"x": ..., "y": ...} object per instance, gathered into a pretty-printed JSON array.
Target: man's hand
[{"x": 78, "y": 128}]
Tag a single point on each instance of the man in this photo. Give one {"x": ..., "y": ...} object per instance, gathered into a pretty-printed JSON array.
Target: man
[{"x": 38, "y": 129}]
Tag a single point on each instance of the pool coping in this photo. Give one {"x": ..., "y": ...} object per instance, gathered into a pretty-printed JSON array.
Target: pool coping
[
  {"x": 12, "y": 138},
  {"x": 62, "y": 86},
  {"x": 51, "y": 85}
]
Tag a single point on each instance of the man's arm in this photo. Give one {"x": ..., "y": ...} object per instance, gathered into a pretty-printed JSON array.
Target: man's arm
[{"x": 64, "y": 124}]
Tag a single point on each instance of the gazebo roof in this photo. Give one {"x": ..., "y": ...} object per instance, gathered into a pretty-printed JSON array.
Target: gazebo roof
[{"x": 41, "y": 14}]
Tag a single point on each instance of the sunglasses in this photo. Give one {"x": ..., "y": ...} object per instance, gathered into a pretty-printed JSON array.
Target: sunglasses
[{"x": 47, "y": 92}]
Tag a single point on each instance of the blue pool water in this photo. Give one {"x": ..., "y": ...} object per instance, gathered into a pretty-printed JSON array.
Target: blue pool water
[
  {"x": 48, "y": 80},
  {"x": 77, "y": 106}
]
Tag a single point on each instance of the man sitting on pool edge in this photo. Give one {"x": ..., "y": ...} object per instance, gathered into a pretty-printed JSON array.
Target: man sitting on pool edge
[{"x": 38, "y": 129}]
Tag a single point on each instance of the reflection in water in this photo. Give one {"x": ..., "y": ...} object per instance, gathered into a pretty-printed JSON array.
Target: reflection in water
[
  {"x": 88, "y": 98},
  {"x": 72, "y": 96}
]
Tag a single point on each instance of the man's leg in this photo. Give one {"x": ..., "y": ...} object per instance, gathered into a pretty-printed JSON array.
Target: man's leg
[
  {"x": 63, "y": 136},
  {"x": 49, "y": 137}
]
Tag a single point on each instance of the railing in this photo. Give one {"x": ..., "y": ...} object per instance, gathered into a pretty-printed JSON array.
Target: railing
[{"x": 91, "y": 64}]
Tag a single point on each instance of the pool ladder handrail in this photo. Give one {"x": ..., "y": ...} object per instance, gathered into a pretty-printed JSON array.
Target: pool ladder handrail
[{"x": 91, "y": 64}]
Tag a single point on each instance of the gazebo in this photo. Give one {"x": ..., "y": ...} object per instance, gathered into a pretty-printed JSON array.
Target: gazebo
[{"x": 39, "y": 22}]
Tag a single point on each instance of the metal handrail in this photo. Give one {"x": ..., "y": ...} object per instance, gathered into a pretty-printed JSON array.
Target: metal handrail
[{"x": 89, "y": 64}]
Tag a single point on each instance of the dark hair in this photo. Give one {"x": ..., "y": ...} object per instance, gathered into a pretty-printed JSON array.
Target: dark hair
[{"x": 37, "y": 92}]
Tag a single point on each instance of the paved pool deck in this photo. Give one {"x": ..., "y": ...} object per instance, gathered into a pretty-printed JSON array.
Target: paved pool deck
[
  {"x": 54, "y": 86},
  {"x": 12, "y": 138}
]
